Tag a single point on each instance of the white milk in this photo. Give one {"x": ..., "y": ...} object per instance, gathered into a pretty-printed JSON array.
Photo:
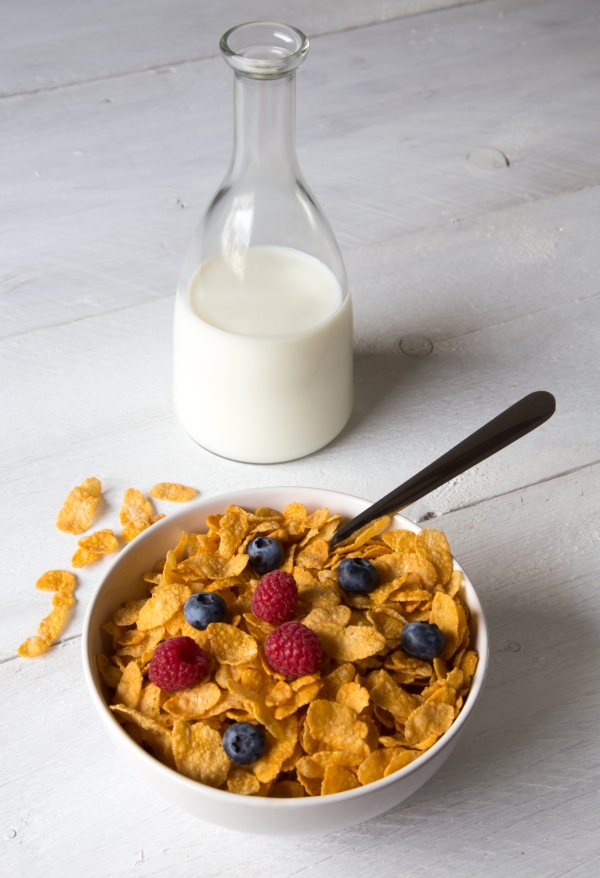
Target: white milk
[{"x": 263, "y": 355}]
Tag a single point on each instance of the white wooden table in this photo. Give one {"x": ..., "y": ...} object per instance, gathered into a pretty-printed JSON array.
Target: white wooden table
[{"x": 455, "y": 149}]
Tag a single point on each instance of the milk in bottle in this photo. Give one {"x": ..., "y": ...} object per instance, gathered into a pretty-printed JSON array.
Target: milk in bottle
[{"x": 263, "y": 317}]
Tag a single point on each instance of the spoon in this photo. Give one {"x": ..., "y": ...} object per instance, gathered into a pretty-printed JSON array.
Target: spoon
[{"x": 514, "y": 422}]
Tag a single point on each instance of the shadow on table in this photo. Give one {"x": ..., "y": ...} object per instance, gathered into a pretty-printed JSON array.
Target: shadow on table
[
  {"x": 532, "y": 713},
  {"x": 382, "y": 380}
]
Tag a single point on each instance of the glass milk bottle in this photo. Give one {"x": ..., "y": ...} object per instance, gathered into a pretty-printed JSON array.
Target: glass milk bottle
[{"x": 263, "y": 317}]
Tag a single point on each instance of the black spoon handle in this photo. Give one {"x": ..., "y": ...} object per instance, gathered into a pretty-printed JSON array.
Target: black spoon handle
[{"x": 516, "y": 421}]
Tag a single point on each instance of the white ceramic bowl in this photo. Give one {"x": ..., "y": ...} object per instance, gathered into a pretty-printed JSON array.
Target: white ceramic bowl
[{"x": 308, "y": 816}]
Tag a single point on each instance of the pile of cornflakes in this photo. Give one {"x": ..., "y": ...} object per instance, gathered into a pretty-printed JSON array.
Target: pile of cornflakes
[
  {"x": 369, "y": 711},
  {"x": 75, "y": 517}
]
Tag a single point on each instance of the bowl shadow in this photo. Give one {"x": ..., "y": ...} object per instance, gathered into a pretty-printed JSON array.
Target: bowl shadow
[{"x": 519, "y": 734}]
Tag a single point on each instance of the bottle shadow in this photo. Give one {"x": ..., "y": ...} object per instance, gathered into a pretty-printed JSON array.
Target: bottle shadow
[{"x": 382, "y": 381}]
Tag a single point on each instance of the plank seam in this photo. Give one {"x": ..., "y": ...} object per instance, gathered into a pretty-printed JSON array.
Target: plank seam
[
  {"x": 154, "y": 67},
  {"x": 563, "y": 474},
  {"x": 510, "y": 319},
  {"x": 11, "y": 658}
]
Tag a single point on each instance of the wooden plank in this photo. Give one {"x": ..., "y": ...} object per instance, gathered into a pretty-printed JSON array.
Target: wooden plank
[
  {"x": 518, "y": 796},
  {"x": 49, "y": 45},
  {"x": 507, "y": 265},
  {"x": 103, "y": 183}
]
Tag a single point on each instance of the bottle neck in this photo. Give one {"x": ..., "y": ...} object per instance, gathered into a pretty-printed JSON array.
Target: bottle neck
[{"x": 264, "y": 126}]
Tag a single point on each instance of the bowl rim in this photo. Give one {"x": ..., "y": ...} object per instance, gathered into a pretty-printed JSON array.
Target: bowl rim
[{"x": 260, "y": 802}]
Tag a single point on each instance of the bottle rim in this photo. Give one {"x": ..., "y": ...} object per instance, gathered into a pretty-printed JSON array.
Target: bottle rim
[{"x": 264, "y": 49}]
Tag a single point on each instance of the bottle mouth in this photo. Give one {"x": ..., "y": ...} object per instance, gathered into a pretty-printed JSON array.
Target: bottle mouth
[{"x": 264, "y": 49}]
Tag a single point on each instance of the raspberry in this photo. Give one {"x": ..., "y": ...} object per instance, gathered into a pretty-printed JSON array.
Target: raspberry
[
  {"x": 275, "y": 597},
  {"x": 293, "y": 650},
  {"x": 177, "y": 663}
]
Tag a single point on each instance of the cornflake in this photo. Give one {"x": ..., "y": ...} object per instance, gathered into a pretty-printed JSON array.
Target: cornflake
[
  {"x": 78, "y": 509},
  {"x": 136, "y": 514},
  {"x": 369, "y": 711},
  {"x": 173, "y": 492},
  {"x": 103, "y": 542},
  {"x": 63, "y": 584}
]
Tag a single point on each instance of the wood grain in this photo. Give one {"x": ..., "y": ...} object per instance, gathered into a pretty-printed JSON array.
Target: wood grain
[{"x": 53, "y": 45}]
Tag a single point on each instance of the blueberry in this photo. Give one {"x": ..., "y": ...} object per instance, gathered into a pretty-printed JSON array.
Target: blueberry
[
  {"x": 423, "y": 640},
  {"x": 265, "y": 554},
  {"x": 357, "y": 575},
  {"x": 203, "y": 608},
  {"x": 244, "y": 743}
]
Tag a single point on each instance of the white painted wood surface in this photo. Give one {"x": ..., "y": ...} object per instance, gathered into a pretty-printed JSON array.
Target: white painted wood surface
[{"x": 116, "y": 123}]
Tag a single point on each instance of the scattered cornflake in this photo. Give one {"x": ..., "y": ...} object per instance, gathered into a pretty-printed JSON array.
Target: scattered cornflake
[
  {"x": 63, "y": 599},
  {"x": 78, "y": 510},
  {"x": 50, "y": 627},
  {"x": 173, "y": 492},
  {"x": 83, "y": 557},
  {"x": 103, "y": 542},
  {"x": 62, "y": 583},
  {"x": 32, "y": 647},
  {"x": 56, "y": 580},
  {"x": 136, "y": 514}
]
